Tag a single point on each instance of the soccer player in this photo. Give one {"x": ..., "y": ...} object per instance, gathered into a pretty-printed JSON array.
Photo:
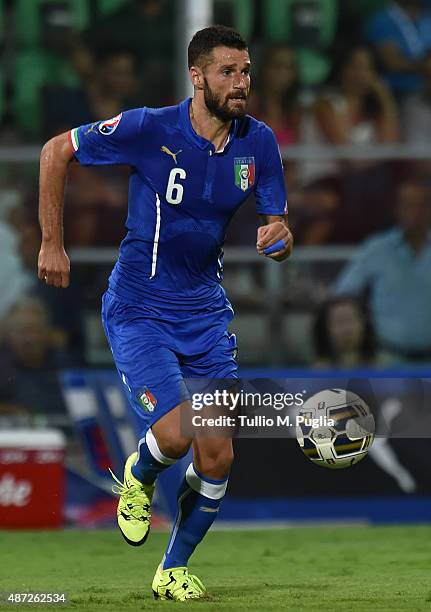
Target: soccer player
[{"x": 165, "y": 313}]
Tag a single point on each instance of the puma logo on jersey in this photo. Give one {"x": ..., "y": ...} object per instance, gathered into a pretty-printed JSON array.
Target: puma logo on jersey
[
  {"x": 168, "y": 152},
  {"x": 90, "y": 129}
]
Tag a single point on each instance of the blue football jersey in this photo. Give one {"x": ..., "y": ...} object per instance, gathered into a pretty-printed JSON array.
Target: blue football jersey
[{"x": 182, "y": 195}]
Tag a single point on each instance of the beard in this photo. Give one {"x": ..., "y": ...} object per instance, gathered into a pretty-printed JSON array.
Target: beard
[{"x": 221, "y": 109}]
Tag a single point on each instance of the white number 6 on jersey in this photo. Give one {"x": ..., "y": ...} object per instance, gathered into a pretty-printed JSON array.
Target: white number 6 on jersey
[{"x": 175, "y": 191}]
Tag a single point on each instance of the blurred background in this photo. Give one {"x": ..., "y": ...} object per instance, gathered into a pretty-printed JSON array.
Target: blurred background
[{"x": 346, "y": 87}]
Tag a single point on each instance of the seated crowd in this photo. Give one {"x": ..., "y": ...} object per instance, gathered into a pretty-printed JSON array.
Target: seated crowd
[{"x": 353, "y": 77}]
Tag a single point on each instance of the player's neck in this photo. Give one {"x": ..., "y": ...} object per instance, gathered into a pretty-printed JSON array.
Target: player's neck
[{"x": 207, "y": 125}]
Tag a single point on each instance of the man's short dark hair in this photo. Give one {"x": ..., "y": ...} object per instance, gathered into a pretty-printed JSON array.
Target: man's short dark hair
[{"x": 204, "y": 41}]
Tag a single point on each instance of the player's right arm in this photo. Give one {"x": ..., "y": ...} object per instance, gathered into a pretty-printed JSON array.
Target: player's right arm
[
  {"x": 112, "y": 141},
  {"x": 53, "y": 262}
]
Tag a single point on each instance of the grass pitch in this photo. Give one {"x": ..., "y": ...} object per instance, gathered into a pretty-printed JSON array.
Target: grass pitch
[{"x": 324, "y": 568}]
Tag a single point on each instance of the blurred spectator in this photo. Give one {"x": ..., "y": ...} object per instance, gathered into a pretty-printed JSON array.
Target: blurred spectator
[
  {"x": 52, "y": 56},
  {"x": 112, "y": 88},
  {"x": 13, "y": 279},
  {"x": 416, "y": 120},
  {"x": 358, "y": 109},
  {"x": 29, "y": 358},
  {"x": 19, "y": 247},
  {"x": 147, "y": 28},
  {"x": 275, "y": 98},
  {"x": 96, "y": 205},
  {"x": 416, "y": 116},
  {"x": 63, "y": 308},
  {"x": 394, "y": 269},
  {"x": 97, "y": 198},
  {"x": 309, "y": 25},
  {"x": 314, "y": 213},
  {"x": 343, "y": 335},
  {"x": 353, "y": 15},
  {"x": 401, "y": 35}
]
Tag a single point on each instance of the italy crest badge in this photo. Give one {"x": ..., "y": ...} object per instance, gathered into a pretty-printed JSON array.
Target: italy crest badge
[{"x": 244, "y": 172}]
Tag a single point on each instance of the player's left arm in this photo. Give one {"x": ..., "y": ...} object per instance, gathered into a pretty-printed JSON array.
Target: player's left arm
[
  {"x": 274, "y": 232},
  {"x": 274, "y": 238}
]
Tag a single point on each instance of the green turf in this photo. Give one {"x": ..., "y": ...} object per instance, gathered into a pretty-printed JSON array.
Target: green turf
[{"x": 326, "y": 568}]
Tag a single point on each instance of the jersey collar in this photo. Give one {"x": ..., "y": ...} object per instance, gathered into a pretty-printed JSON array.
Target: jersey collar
[{"x": 193, "y": 137}]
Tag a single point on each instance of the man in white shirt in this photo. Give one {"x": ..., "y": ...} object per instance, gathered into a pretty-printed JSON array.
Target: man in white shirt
[{"x": 394, "y": 268}]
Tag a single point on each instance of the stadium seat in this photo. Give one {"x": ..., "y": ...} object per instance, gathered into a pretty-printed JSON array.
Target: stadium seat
[
  {"x": 310, "y": 43},
  {"x": 239, "y": 14},
  {"x": 313, "y": 67},
  {"x": 109, "y": 6},
  {"x": 29, "y": 15},
  {"x": 33, "y": 70}
]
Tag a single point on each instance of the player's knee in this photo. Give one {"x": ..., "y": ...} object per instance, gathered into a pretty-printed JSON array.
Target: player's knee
[{"x": 171, "y": 445}]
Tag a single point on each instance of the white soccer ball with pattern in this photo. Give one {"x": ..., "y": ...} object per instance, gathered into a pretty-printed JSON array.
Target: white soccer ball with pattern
[{"x": 335, "y": 428}]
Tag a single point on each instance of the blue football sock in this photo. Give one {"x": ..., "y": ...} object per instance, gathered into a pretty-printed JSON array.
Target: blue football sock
[
  {"x": 151, "y": 461},
  {"x": 199, "y": 499}
]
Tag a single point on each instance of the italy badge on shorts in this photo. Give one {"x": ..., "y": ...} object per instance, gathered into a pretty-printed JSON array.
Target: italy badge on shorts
[
  {"x": 244, "y": 172},
  {"x": 146, "y": 399}
]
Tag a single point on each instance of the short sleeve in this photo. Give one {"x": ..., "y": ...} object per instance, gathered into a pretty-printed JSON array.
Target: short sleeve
[
  {"x": 270, "y": 190},
  {"x": 114, "y": 141}
]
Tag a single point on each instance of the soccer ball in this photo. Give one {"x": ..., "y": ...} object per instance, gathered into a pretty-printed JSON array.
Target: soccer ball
[{"x": 335, "y": 428}]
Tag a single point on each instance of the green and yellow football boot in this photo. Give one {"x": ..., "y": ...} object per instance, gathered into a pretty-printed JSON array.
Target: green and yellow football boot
[
  {"x": 177, "y": 584},
  {"x": 134, "y": 506}
]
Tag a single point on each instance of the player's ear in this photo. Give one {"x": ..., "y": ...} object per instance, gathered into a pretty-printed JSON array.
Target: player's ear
[{"x": 196, "y": 77}]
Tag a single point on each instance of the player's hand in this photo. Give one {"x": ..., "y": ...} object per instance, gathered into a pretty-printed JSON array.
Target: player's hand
[
  {"x": 270, "y": 235},
  {"x": 53, "y": 266}
]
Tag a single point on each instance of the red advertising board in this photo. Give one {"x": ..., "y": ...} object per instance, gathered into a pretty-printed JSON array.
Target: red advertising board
[{"x": 31, "y": 479}]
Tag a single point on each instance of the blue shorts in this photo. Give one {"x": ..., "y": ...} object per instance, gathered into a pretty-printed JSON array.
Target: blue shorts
[{"x": 155, "y": 356}]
